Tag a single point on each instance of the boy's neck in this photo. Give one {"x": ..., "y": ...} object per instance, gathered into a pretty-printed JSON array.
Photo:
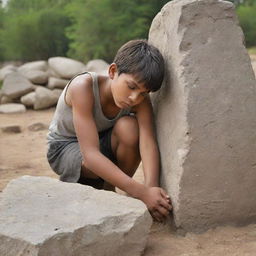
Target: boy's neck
[{"x": 106, "y": 94}]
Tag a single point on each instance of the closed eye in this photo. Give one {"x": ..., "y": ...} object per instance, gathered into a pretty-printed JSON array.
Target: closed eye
[
  {"x": 144, "y": 94},
  {"x": 131, "y": 87}
]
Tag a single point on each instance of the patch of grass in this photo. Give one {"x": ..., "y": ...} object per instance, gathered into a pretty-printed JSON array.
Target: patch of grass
[
  {"x": 1, "y": 84},
  {"x": 252, "y": 50}
]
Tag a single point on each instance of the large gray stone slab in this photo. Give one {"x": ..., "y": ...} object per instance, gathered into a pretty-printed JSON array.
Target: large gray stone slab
[
  {"x": 206, "y": 114},
  {"x": 43, "y": 216}
]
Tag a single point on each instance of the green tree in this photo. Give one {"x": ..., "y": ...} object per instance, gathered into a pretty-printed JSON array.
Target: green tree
[
  {"x": 247, "y": 18},
  {"x": 2, "y": 14},
  {"x": 34, "y": 35},
  {"x": 28, "y": 5},
  {"x": 101, "y": 27},
  {"x": 243, "y": 2}
]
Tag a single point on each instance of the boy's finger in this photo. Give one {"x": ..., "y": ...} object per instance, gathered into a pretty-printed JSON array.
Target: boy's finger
[
  {"x": 154, "y": 215},
  {"x": 166, "y": 205},
  {"x": 157, "y": 216},
  {"x": 164, "y": 194},
  {"x": 163, "y": 211}
]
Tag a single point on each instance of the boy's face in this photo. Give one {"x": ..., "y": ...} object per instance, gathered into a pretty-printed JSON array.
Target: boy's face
[{"x": 126, "y": 90}]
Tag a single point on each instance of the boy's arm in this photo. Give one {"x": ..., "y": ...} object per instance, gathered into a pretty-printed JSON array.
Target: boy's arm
[
  {"x": 82, "y": 100},
  {"x": 148, "y": 143},
  {"x": 81, "y": 96}
]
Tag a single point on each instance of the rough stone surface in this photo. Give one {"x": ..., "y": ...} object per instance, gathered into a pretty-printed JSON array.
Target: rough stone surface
[
  {"x": 43, "y": 216},
  {"x": 206, "y": 114},
  {"x": 66, "y": 68},
  {"x": 12, "y": 108},
  {"x": 29, "y": 99},
  {"x": 44, "y": 98},
  {"x": 16, "y": 85},
  {"x": 54, "y": 82},
  {"x": 36, "y": 76},
  {"x": 34, "y": 65}
]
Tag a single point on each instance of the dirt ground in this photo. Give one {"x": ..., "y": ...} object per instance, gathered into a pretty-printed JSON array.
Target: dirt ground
[{"x": 24, "y": 154}]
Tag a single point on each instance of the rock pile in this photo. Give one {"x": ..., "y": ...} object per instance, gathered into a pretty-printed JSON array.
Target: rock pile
[{"x": 38, "y": 84}]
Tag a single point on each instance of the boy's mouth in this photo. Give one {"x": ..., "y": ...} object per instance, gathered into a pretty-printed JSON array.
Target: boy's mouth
[{"x": 124, "y": 104}]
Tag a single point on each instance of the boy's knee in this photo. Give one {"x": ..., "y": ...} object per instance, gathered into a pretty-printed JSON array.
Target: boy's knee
[{"x": 127, "y": 131}]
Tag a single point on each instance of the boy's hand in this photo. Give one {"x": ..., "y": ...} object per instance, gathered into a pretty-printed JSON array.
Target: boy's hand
[{"x": 157, "y": 202}]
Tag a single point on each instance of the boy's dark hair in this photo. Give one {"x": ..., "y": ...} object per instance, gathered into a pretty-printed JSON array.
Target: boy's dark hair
[{"x": 143, "y": 60}]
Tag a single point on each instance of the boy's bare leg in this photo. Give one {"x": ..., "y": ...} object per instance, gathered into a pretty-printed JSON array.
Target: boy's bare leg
[{"x": 125, "y": 146}]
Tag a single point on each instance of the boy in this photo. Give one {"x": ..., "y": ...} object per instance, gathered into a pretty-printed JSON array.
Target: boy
[{"x": 94, "y": 139}]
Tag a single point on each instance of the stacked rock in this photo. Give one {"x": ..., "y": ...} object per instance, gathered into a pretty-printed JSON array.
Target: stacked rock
[{"x": 38, "y": 84}]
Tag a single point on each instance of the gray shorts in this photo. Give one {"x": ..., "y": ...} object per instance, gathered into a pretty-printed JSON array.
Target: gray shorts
[{"x": 65, "y": 157}]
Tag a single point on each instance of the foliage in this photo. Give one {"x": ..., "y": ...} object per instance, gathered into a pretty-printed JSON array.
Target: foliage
[
  {"x": 1, "y": 29},
  {"x": 86, "y": 29},
  {"x": 101, "y": 27},
  {"x": 33, "y": 5},
  {"x": 32, "y": 30},
  {"x": 252, "y": 50},
  {"x": 247, "y": 18},
  {"x": 34, "y": 35},
  {"x": 243, "y": 2}
]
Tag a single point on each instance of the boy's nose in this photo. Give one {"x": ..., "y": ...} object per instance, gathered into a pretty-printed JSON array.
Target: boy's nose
[{"x": 133, "y": 97}]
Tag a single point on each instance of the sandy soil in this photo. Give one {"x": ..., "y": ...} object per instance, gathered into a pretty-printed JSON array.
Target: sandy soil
[{"x": 24, "y": 154}]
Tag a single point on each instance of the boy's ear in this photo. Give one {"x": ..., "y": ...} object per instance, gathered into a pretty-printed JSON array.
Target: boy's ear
[{"x": 112, "y": 70}]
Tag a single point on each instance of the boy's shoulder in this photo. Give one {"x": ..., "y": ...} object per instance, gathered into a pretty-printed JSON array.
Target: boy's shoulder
[{"x": 78, "y": 86}]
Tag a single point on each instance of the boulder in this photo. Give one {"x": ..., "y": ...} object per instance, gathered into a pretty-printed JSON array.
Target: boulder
[
  {"x": 66, "y": 68},
  {"x": 45, "y": 98},
  {"x": 206, "y": 114},
  {"x": 99, "y": 66},
  {"x": 54, "y": 82},
  {"x": 5, "y": 99},
  {"x": 29, "y": 99},
  {"x": 7, "y": 70},
  {"x": 44, "y": 216},
  {"x": 12, "y": 108},
  {"x": 36, "y": 76},
  {"x": 52, "y": 73},
  {"x": 16, "y": 85},
  {"x": 57, "y": 92},
  {"x": 40, "y": 65}
]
